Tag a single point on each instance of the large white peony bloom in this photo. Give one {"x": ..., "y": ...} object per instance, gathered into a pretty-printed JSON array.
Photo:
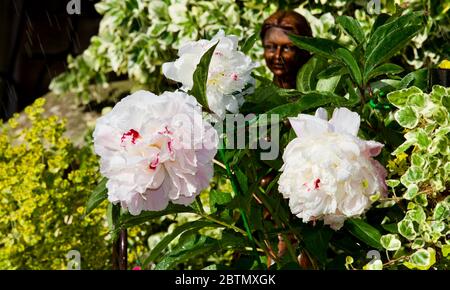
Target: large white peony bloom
[
  {"x": 154, "y": 149},
  {"x": 228, "y": 76},
  {"x": 328, "y": 172}
]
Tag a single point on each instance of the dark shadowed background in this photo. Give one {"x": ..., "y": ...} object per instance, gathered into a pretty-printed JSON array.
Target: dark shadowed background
[{"x": 35, "y": 39}]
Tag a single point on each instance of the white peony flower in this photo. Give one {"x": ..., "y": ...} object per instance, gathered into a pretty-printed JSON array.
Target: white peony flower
[
  {"x": 228, "y": 76},
  {"x": 328, "y": 172},
  {"x": 155, "y": 149}
]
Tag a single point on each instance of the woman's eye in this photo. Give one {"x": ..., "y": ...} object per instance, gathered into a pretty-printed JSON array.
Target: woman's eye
[
  {"x": 270, "y": 47},
  {"x": 287, "y": 48}
]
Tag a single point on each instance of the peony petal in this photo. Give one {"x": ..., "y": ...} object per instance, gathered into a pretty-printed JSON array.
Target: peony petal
[
  {"x": 345, "y": 121},
  {"x": 145, "y": 171},
  {"x": 373, "y": 148},
  {"x": 308, "y": 126},
  {"x": 321, "y": 113},
  {"x": 155, "y": 199}
]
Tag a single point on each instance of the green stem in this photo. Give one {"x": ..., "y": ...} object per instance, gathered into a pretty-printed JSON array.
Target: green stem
[
  {"x": 238, "y": 192},
  {"x": 223, "y": 223},
  {"x": 290, "y": 248}
]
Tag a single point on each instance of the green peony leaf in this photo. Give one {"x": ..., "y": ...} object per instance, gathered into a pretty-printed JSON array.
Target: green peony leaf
[
  {"x": 347, "y": 58},
  {"x": 320, "y": 46},
  {"x": 386, "y": 68},
  {"x": 128, "y": 220},
  {"x": 352, "y": 27},
  {"x": 249, "y": 43},
  {"x": 157, "y": 250},
  {"x": 99, "y": 194},
  {"x": 316, "y": 242},
  {"x": 365, "y": 232},
  {"x": 328, "y": 85},
  {"x": 201, "y": 77},
  {"x": 389, "y": 38},
  {"x": 306, "y": 77},
  {"x": 332, "y": 70}
]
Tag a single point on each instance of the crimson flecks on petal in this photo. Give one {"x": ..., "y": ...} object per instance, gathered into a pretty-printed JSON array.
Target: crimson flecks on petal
[
  {"x": 229, "y": 73},
  {"x": 145, "y": 171},
  {"x": 330, "y": 156},
  {"x": 154, "y": 163},
  {"x": 316, "y": 183},
  {"x": 166, "y": 131},
  {"x": 131, "y": 133}
]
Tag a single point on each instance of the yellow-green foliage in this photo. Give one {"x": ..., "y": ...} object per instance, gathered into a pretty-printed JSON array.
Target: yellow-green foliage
[{"x": 44, "y": 184}]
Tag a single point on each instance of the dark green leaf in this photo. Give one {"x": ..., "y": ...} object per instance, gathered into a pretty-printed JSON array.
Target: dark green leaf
[
  {"x": 379, "y": 21},
  {"x": 389, "y": 46},
  {"x": 112, "y": 216},
  {"x": 128, "y": 220},
  {"x": 352, "y": 27},
  {"x": 418, "y": 78},
  {"x": 306, "y": 77},
  {"x": 389, "y": 38},
  {"x": 98, "y": 195},
  {"x": 320, "y": 46},
  {"x": 202, "y": 245},
  {"x": 201, "y": 77},
  {"x": 389, "y": 24},
  {"x": 364, "y": 232},
  {"x": 242, "y": 179},
  {"x": 346, "y": 57},
  {"x": 386, "y": 68},
  {"x": 328, "y": 85},
  {"x": 249, "y": 42},
  {"x": 354, "y": 97},
  {"x": 256, "y": 217},
  {"x": 392, "y": 228},
  {"x": 266, "y": 96},
  {"x": 316, "y": 242},
  {"x": 218, "y": 198},
  {"x": 331, "y": 71},
  {"x": 156, "y": 251},
  {"x": 308, "y": 101}
]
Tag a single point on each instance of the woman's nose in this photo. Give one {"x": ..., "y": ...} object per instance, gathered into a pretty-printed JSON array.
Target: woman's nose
[{"x": 278, "y": 53}]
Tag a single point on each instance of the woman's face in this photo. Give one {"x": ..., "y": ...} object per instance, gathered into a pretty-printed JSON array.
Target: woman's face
[{"x": 281, "y": 56}]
